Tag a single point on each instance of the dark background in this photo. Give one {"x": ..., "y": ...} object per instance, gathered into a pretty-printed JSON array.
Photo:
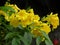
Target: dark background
[{"x": 41, "y": 7}]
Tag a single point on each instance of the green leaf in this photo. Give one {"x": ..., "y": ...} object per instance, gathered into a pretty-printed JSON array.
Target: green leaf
[
  {"x": 6, "y": 8},
  {"x": 20, "y": 27},
  {"x": 28, "y": 37},
  {"x": 47, "y": 41},
  {"x": 15, "y": 41},
  {"x": 9, "y": 10},
  {"x": 25, "y": 41},
  {"x": 9, "y": 27},
  {"x": 9, "y": 35},
  {"x": 38, "y": 40}
]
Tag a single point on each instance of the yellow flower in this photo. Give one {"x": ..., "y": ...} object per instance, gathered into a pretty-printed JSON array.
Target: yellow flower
[
  {"x": 22, "y": 15},
  {"x": 36, "y": 32},
  {"x": 36, "y": 18},
  {"x": 44, "y": 27},
  {"x": 2, "y": 13},
  {"x": 13, "y": 6},
  {"x": 35, "y": 24},
  {"x": 27, "y": 21},
  {"x": 31, "y": 11},
  {"x": 7, "y": 18},
  {"x": 16, "y": 8},
  {"x": 24, "y": 23},
  {"x": 25, "y": 17},
  {"x": 52, "y": 19},
  {"x": 14, "y": 21},
  {"x": 35, "y": 28},
  {"x": 5, "y": 15}
]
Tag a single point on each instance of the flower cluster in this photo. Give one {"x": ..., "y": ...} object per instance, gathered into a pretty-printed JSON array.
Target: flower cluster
[{"x": 27, "y": 18}]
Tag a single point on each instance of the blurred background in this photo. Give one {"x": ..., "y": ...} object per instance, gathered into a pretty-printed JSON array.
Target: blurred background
[{"x": 41, "y": 7}]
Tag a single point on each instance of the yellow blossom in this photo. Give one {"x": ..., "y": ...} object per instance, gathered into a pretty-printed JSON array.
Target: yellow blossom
[
  {"x": 25, "y": 17},
  {"x": 22, "y": 15},
  {"x": 36, "y": 18},
  {"x": 5, "y": 15},
  {"x": 13, "y": 6},
  {"x": 36, "y": 32},
  {"x": 31, "y": 11},
  {"x": 2, "y": 13},
  {"x": 27, "y": 21},
  {"x": 14, "y": 21},
  {"x": 44, "y": 27},
  {"x": 24, "y": 23},
  {"x": 35, "y": 24},
  {"x": 52, "y": 19},
  {"x": 7, "y": 18}
]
